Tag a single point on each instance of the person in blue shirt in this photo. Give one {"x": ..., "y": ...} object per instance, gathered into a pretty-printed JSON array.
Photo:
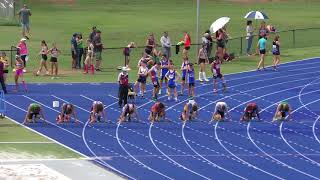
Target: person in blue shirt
[
  {"x": 164, "y": 69},
  {"x": 190, "y": 80},
  {"x": 262, "y": 44},
  {"x": 183, "y": 69},
  {"x": 172, "y": 77}
]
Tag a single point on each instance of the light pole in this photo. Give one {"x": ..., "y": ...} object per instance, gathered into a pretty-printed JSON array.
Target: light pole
[{"x": 197, "y": 28}]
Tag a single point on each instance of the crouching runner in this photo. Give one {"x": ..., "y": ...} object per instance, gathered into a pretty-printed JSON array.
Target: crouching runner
[
  {"x": 157, "y": 112},
  {"x": 34, "y": 113},
  {"x": 97, "y": 112},
  {"x": 128, "y": 111},
  {"x": 282, "y": 111},
  {"x": 190, "y": 111},
  {"x": 250, "y": 112},
  {"x": 67, "y": 112},
  {"x": 220, "y": 112}
]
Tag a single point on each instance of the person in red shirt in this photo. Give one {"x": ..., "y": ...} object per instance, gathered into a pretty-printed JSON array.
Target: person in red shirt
[
  {"x": 187, "y": 44},
  {"x": 123, "y": 80},
  {"x": 251, "y": 111},
  {"x": 157, "y": 112}
]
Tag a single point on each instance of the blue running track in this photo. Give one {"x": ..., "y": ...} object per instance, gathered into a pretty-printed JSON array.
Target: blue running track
[{"x": 194, "y": 150}]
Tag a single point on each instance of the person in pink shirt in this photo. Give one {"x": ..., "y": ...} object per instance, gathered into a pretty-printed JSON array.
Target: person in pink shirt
[
  {"x": 187, "y": 44},
  {"x": 23, "y": 51}
]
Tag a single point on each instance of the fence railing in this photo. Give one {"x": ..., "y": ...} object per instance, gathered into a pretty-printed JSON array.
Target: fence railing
[{"x": 293, "y": 38}]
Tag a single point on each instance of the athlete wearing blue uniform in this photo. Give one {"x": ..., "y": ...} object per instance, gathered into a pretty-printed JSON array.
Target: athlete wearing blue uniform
[
  {"x": 172, "y": 76},
  {"x": 184, "y": 68},
  {"x": 190, "y": 80},
  {"x": 164, "y": 69}
]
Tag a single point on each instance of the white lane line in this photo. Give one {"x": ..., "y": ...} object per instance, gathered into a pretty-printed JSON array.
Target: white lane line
[
  {"x": 314, "y": 131},
  {"x": 234, "y": 155},
  {"x": 248, "y": 130},
  {"x": 144, "y": 165},
  {"x": 103, "y": 162},
  {"x": 45, "y": 120},
  {"x": 93, "y": 153},
  {"x": 261, "y": 87},
  {"x": 27, "y": 142},
  {"x": 67, "y": 147},
  {"x": 117, "y": 137},
  {"x": 280, "y": 162},
  {"x": 300, "y": 97},
  {"x": 214, "y": 165},
  {"x": 281, "y": 134},
  {"x": 180, "y": 165}
]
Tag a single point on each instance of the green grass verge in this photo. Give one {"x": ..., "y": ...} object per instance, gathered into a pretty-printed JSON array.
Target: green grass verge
[{"x": 12, "y": 132}]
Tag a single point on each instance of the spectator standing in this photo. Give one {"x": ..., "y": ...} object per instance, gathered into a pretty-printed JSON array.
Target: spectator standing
[
  {"x": 93, "y": 33},
  {"x": 202, "y": 60},
  {"x": 79, "y": 50},
  {"x": 262, "y": 44},
  {"x": 98, "y": 46},
  {"x": 126, "y": 53},
  {"x": 276, "y": 52},
  {"x": 3, "y": 85},
  {"x": 187, "y": 44},
  {"x": 88, "y": 63},
  {"x": 263, "y": 30},
  {"x": 207, "y": 42},
  {"x": 23, "y": 51},
  {"x": 74, "y": 50},
  {"x": 24, "y": 14},
  {"x": 150, "y": 44},
  {"x": 54, "y": 52},
  {"x": 44, "y": 57},
  {"x": 249, "y": 37},
  {"x": 221, "y": 43},
  {"x": 166, "y": 44},
  {"x": 123, "y": 80},
  {"x": 4, "y": 59}
]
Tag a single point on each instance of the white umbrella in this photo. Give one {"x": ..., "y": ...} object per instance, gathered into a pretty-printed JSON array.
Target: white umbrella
[{"x": 218, "y": 24}]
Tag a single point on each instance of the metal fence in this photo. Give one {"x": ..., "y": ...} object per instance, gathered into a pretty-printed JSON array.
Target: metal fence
[{"x": 295, "y": 38}]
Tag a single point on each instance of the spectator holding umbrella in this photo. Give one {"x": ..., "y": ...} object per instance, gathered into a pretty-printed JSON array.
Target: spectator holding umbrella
[
  {"x": 249, "y": 36},
  {"x": 123, "y": 80},
  {"x": 24, "y": 15},
  {"x": 166, "y": 45},
  {"x": 98, "y": 46}
]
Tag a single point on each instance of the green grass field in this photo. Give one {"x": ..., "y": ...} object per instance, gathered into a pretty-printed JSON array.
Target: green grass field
[
  {"x": 131, "y": 20},
  {"x": 122, "y": 21},
  {"x": 14, "y": 139}
]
